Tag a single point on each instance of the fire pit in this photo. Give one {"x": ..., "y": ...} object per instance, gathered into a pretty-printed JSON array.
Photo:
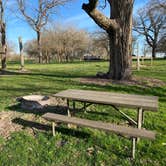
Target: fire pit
[{"x": 33, "y": 102}]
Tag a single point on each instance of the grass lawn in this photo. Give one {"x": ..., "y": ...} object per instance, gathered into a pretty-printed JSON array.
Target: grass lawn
[{"x": 83, "y": 146}]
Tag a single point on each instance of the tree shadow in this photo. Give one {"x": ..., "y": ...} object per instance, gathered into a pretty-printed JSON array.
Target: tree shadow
[
  {"x": 9, "y": 72},
  {"x": 57, "y": 109},
  {"x": 60, "y": 74},
  {"x": 98, "y": 113}
]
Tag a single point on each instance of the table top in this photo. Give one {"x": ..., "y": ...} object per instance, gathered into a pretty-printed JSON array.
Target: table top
[{"x": 117, "y": 99}]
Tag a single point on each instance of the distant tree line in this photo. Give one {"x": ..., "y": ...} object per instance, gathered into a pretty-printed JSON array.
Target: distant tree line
[{"x": 67, "y": 44}]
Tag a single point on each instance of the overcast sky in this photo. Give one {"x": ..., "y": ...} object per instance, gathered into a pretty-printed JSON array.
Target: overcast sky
[{"x": 70, "y": 14}]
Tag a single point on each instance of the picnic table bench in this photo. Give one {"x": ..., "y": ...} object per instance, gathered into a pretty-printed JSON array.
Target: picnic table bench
[
  {"x": 139, "y": 102},
  {"x": 118, "y": 129}
]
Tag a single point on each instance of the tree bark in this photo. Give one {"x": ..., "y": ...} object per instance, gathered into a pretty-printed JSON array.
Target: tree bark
[
  {"x": 39, "y": 46},
  {"x": 4, "y": 46},
  {"x": 153, "y": 52},
  {"x": 119, "y": 28},
  {"x": 3, "y": 37}
]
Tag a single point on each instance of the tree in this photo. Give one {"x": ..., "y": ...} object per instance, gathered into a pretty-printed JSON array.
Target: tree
[
  {"x": 3, "y": 37},
  {"x": 31, "y": 48},
  {"x": 60, "y": 44},
  {"x": 162, "y": 45},
  {"x": 118, "y": 27},
  {"x": 37, "y": 16},
  {"x": 100, "y": 44},
  {"x": 151, "y": 23}
]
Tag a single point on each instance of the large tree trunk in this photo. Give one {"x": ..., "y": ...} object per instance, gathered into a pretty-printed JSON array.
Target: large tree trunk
[
  {"x": 118, "y": 27},
  {"x": 153, "y": 52},
  {"x": 39, "y": 46},
  {"x": 3, "y": 37},
  {"x": 121, "y": 42},
  {"x": 4, "y": 46}
]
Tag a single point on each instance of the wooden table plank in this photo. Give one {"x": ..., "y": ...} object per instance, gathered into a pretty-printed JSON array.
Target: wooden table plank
[
  {"x": 124, "y": 100},
  {"x": 124, "y": 130}
]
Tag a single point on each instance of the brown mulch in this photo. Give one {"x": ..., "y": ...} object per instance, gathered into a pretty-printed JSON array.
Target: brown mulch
[
  {"x": 139, "y": 81},
  {"x": 6, "y": 124},
  {"x": 9, "y": 123}
]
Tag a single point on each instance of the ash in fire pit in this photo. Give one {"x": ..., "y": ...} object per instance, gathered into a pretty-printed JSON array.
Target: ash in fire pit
[{"x": 33, "y": 102}]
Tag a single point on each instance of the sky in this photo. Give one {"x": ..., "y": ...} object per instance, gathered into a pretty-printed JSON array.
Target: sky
[{"x": 70, "y": 14}]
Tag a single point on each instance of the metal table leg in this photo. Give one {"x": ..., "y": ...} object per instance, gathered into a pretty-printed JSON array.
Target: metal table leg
[
  {"x": 68, "y": 108},
  {"x": 139, "y": 119},
  {"x": 133, "y": 147}
]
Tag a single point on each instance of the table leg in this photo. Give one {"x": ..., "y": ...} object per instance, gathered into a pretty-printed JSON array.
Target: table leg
[
  {"x": 143, "y": 117},
  {"x": 53, "y": 128},
  {"x": 139, "y": 119},
  {"x": 74, "y": 105},
  {"x": 133, "y": 147},
  {"x": 84, "y": 107},
  {"x": 68, "y": 108}
]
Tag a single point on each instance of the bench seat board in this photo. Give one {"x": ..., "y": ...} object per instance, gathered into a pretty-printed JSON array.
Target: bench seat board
[
  {"x": 124, "y": 100},
  {"x": 123, "y": 130}
]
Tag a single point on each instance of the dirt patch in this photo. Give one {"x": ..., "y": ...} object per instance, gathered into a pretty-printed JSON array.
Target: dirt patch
[
  {"x": 6, "y": 125},
  {"x": 141, "y": 81},
  {"x": 14, "y": 121},
  {"x": 30, "y": 121}
]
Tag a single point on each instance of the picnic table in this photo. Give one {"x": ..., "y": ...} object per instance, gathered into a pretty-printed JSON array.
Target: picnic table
[{"x": 139, "y": 102}]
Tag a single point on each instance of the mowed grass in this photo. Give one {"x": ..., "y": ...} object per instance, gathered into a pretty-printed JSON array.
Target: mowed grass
[{"x": 82, "y": 146}]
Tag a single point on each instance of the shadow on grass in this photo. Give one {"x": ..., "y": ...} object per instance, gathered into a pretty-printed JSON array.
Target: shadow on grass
[
  {"x": 60, "y": 74},
  {"x": 98, "y": 113},
  {"x": 44, "y": 127},
  {"x": 132, "y": 89},
  {"x": 62, "y": 110},
  {"x": 155, "y": 91},
  {"x": 8, "y": 72},
  {"x": 69, "y": 132}
]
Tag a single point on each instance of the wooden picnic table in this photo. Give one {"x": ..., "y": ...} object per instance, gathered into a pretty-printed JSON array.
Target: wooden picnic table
[{"x": 139, "y": 102}]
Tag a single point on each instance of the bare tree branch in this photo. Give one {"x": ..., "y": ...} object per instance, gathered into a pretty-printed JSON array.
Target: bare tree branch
[
  {"x": 100, "y": 19},
  {"x": 39, "y": 18},
  {"x": 151, "y": 22}
]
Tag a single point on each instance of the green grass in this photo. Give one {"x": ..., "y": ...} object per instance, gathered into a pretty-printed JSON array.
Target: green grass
[{"x": 106, "y": 148}]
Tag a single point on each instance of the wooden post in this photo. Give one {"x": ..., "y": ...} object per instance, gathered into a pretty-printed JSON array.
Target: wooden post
[
  {"x": 133, "y": 147},
  {"x": 21, "y": 53},
  {"x": 138, "y": 59},
  {"x": 53, "y": 128}
]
